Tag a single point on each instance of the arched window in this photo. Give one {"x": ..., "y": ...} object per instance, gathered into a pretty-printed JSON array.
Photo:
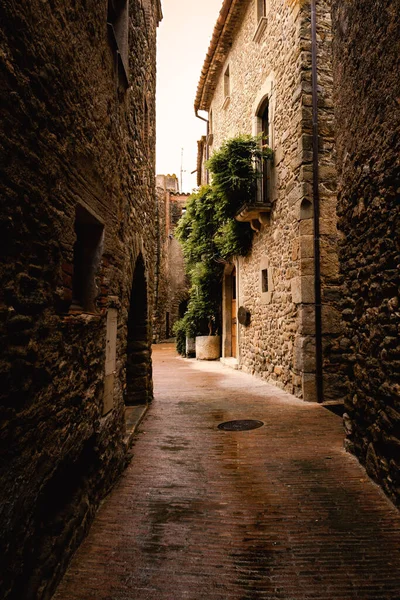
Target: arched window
[{"x": 264, "y": 166}]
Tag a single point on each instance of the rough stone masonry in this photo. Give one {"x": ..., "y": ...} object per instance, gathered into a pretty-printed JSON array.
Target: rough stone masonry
[
  {"x": 257, "y": 78},
  {"x": 367, "y": 105},
  {"x": 77, "y": 190}
]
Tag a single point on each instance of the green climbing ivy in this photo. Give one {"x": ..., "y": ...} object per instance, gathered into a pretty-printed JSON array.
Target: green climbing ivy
[
  {"x": 210, "y": 236},
  {"x": 234, "y": 173}
]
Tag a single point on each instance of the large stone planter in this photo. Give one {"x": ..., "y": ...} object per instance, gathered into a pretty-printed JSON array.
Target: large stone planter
[
  {"x": 208, "y": 347},
  {"x": 190, "y": 347}
]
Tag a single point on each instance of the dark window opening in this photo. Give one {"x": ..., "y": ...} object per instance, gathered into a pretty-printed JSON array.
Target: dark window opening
[
  {"x": 234, "y": 285},
  {"x": 264, "y": 281},
  {"x": 87, "y": 257},
  {"x": 118, "y": 26},
  {"x": 264, "y": 166},
  {"x": 227, "y": 83},
  {"x": 261, "y": 9}
]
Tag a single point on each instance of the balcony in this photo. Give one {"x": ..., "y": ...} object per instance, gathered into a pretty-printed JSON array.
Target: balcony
[{"x": 257, "y": 213}]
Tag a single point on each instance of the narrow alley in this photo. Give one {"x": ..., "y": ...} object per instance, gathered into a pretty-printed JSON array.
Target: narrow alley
[{"x": 278, "y": 512}]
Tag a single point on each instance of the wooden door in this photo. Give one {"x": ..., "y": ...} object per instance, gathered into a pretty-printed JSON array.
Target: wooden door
[{"x": 234, "y": 314}]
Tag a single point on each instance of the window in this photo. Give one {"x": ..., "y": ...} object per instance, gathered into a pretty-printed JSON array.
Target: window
[
  {"x": 264, "y": 281},
  {"x": 118, "y": 26},
  {"x": 227, "y": 83},
  {"x": 210, "y": 129},
  {"x": 264, "y": 166},
  {"x": 87, "y": 257},
  {"x": 261, "y": 9}
]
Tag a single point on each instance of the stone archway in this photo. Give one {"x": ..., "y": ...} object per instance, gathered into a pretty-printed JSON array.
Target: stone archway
[{"x": 139, "y": 388}]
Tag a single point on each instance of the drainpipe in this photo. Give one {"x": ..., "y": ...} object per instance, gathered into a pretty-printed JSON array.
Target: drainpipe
[
  {"x": 208, "y": 133},
  {"x": 316, "y": 206},
  {"x": 157, "y": 265}
]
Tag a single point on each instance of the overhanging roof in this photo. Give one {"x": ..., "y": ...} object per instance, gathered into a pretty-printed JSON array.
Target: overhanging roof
[{"x": 221, "y": 41}]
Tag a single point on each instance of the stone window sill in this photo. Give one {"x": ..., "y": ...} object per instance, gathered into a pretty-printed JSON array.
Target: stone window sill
[
  {"x": 226, "y": 102},
  {"x": 86, "y": 318},
  {"x": 262, "y": 24}
]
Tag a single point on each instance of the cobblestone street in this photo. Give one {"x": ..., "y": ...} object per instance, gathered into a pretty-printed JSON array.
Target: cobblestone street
[{"x": 280, "y": 512}]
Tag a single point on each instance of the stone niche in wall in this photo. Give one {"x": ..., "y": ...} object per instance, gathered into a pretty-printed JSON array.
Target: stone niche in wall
[{"x": 266, "y": 281}]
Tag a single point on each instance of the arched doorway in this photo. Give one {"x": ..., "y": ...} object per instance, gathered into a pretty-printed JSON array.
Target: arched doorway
[{"x": 139, "y": 388}]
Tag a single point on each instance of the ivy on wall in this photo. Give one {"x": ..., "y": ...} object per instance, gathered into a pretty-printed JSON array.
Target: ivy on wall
[{"x": 210, "y": 236}]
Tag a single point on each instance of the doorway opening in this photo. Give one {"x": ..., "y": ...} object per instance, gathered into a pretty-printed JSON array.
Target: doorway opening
[
  {"x": 139, "y": 389},
  {"x": 230, "y": 314}
]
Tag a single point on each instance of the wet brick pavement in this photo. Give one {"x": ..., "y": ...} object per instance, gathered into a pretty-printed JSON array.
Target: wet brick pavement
[{"x": 279, "y": 512}]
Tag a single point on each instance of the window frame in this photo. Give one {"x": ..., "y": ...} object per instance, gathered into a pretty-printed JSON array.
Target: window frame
[
  {"x": 118, "y": 30},
  {"x": 87, "y": 256},
  {"x": 262, "y": 10},
  {"x": 227, "y": 86},
  {"x": 264, "y": 165}
]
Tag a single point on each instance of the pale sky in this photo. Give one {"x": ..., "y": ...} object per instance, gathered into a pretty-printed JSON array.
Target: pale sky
[{"x": 183, "y": 38}]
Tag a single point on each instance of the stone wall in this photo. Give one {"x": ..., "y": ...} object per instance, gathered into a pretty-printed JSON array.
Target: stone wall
[
  {"x": 272, "y": 60},
  {"x": 172, "y": 286},
  {"x": 77, "y": 161},
  {"x": 367, "y": 92}
]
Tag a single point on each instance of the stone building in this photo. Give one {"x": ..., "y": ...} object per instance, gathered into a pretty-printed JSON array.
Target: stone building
[
  {"x": 77, "y": 270},
  {"x": 367, "y": 110},
  {"x": 171, "y": 283},
  {"x": 258, "y": 78}
]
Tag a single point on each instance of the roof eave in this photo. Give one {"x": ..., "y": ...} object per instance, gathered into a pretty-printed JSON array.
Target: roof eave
[{"x": 218, "y": 49}]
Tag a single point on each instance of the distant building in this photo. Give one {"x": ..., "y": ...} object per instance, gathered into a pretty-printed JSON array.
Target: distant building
[
  {"x": 257, "y": 79},
  {"x": 172, "y": 286},
  {"x": 77, "y": 268},
  {"x": 367, "y": 110}
]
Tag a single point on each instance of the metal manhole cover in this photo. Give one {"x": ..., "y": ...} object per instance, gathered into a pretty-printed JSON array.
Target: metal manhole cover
[{"x": 240, "y": 425}]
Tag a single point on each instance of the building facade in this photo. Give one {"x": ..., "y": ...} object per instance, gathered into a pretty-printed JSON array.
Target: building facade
[
  {"x": 258, "y": 78},
  {"x": 171, "y": 283},
  {"x": 77, "y": 271},
  {"x": 367, "y": 110}
]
